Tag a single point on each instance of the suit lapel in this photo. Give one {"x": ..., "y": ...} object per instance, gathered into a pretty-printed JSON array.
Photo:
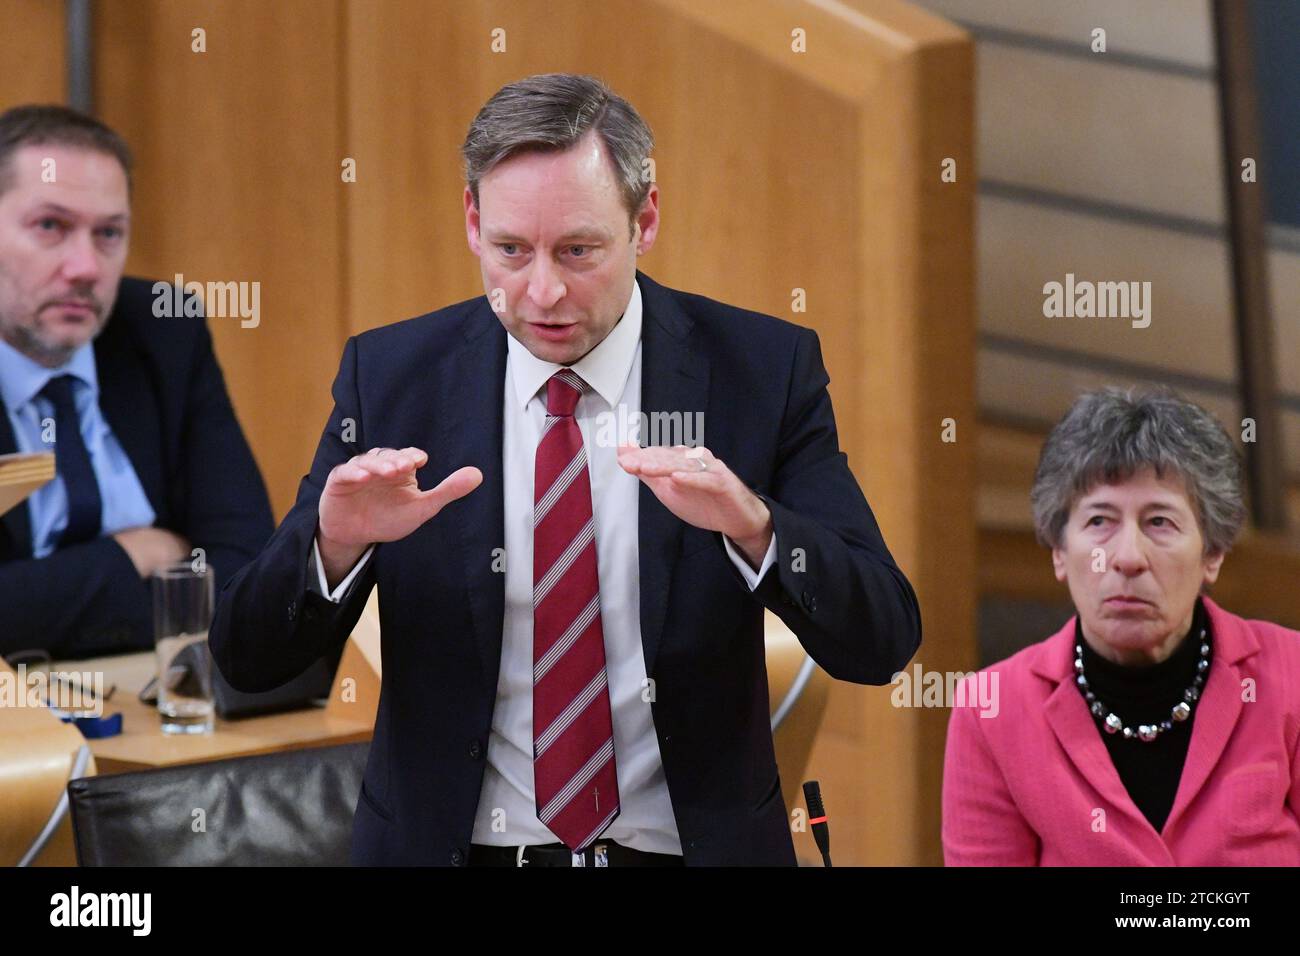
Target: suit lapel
[
  {"x": 674, "y": 378},
  {"x": 471, "y": 434},
  {"x": 1219, "y": 708},
  {"x": 130, "y": 406},
  {"x": 16, "y": 521},
  {"x": 1076, "y": 731}
]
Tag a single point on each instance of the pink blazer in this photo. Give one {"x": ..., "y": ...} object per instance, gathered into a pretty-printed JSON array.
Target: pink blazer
[{"x": 1035, "y": 786}]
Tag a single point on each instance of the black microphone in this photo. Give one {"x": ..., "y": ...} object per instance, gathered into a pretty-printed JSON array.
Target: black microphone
[{"x": 812, "y": 794}]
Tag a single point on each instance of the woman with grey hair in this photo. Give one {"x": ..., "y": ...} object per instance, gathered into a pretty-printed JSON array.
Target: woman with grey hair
[{"x": 1155, "y": 728}]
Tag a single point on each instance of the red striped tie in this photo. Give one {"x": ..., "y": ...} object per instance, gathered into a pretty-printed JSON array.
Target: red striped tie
[{"x": 574, "y": 774}]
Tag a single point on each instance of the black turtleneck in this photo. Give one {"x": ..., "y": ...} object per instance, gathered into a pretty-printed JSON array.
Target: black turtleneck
[{"x": 1145, "y": 694}]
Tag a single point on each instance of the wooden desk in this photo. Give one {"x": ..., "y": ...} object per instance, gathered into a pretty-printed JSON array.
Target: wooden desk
[{"x": 142, "y": 744}]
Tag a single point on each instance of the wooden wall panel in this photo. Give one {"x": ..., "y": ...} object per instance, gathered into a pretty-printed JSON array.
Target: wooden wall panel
[
  {"x": 772, "y": 149},
  {"x": 32, "y": 53},
  {"x": 899, "y": 338},
  {"x": 238, "y": 179}
]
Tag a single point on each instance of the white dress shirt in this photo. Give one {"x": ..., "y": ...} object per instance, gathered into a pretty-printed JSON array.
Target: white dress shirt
[{"x": 507, "y": 813}]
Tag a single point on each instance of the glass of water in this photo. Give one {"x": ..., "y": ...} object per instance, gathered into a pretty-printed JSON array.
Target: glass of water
[{"x": 182, "y": 610}]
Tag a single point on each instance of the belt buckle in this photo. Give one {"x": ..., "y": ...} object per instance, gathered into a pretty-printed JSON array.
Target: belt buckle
[{"x": 519, "y": 856}]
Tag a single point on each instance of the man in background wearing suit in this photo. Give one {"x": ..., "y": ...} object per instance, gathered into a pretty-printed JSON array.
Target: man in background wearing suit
[
  {"x": 571, "y": 626},
  {"x": 151, "y": 463}
]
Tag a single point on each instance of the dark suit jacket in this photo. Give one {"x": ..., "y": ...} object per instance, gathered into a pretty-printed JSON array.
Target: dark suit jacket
[
  {"x": 436, "y": 382},
  {"x": 162, "y": 393}
]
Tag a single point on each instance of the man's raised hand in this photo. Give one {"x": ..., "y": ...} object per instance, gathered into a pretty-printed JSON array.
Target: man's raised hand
[
  {"x": 702, "y": 491},
  {"x": 375, "y": 497}
]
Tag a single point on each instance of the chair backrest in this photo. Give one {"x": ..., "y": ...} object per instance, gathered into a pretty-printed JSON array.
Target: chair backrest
[
  {"x": 798, "y": 692},
  {"x": 290, "y": 808},
  {"x": 38, "y": 754}
]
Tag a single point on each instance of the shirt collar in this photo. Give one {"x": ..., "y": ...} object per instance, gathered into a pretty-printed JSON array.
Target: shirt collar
[
  {"x": 605, "y": 368},
  {"x": 22, "y": 379}
]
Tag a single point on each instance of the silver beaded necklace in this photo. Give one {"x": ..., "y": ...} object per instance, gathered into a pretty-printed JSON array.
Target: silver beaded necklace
[{"x": 1112, "y": 723}]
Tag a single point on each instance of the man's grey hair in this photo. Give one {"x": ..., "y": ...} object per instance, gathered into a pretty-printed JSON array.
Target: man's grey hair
[
  {"x": 550, "y": 112},
  {"x": 1111, "y": 434},
  {"x": 54, "y": 125}
]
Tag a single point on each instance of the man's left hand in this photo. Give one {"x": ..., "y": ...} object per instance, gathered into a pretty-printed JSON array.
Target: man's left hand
[{"x": 702, "y": 491}]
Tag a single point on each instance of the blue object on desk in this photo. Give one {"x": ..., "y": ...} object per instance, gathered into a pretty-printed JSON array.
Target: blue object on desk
[{"x": 90, "y": 727}]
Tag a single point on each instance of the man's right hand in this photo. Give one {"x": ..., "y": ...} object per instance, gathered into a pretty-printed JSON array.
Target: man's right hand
[
  {"x": 152, "y": 548},
  {"x": 375, "y": 497}
]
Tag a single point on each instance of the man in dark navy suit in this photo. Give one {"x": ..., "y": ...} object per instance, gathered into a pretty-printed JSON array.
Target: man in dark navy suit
[
  {"x": 152, "y": 467},
  {"x": 572, "y": 624}
]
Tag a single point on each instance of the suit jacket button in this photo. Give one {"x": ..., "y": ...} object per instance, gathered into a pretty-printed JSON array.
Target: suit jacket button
[
  {"x": 475, "y": 749},
  {"x": 457, "y": 858},
  {"x": 293, "y": 610}
]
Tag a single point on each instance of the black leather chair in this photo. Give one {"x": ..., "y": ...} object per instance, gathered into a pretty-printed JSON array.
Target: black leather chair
[{"x": 292, "y": 808}]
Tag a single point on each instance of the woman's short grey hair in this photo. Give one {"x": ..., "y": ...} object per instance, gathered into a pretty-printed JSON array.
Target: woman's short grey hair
[
  {"x": 550, "y": 112},
  {"x": 1111, "y": 434}
]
